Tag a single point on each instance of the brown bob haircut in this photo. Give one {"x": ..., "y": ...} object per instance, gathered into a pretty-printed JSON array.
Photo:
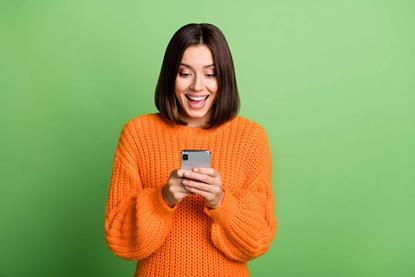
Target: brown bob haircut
[{"x": 227, "y": 103}]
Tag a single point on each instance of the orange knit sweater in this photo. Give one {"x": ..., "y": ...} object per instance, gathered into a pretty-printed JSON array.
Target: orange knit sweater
[{"x": 190, "y": 239}]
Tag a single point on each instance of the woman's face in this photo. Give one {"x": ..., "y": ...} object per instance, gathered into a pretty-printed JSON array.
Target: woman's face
[{"x": 196, "y": 84}]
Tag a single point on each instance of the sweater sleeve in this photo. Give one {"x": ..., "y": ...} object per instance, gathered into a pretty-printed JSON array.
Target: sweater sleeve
[
  {"x": 137, "y": 219},
  {"x": 244, "y": 226}
]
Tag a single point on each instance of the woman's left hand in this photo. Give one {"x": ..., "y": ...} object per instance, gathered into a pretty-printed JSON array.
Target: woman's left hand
[{"x": 205, "y": 182}]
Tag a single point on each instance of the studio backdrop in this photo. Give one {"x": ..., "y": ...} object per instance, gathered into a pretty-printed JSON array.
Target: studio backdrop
[{"x": 332, "y": 83}]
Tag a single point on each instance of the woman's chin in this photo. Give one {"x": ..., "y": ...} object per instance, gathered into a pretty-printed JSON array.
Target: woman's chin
[{"x": 196, "y": 114}]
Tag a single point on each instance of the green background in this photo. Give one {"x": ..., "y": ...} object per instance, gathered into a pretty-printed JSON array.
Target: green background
[{"x": 332, "y": 82}]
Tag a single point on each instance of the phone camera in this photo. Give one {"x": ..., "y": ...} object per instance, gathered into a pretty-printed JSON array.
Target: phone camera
[{"x": 185, "y": 157}]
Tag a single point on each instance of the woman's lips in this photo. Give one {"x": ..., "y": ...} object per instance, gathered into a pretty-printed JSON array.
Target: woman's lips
[{"x": 196, "y": 104}]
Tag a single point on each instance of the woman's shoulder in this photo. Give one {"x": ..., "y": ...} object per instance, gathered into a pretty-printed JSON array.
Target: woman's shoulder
[
  {"x": 140, "y": 120},
  {"x": 136, "y": 124},
  {"x": 257, "y": 135},
  {"x": 144, "y": 117},
  {"x": 254, "y": 127}
]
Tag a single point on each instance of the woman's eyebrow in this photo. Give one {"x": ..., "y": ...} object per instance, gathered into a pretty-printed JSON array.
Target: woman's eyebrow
[{"x": 209, "y": 65}]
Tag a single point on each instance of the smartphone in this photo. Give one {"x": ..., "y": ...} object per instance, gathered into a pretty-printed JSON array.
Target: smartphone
[{"x": 195, "y": 158}]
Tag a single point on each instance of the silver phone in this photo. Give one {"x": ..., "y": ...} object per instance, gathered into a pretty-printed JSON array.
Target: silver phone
[{"x": 195, "y": 158}]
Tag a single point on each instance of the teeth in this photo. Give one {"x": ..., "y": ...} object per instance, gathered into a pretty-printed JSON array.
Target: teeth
[{"x": 197, "y": 98}]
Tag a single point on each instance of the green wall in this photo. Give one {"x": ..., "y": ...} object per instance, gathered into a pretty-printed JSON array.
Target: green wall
[{"x": 331, "y": 81}]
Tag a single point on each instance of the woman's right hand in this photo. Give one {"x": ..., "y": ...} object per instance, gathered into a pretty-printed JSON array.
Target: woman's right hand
[{"x": 173, "y": 190}]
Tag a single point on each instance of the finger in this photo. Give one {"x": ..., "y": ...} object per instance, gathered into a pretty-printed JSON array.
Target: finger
[
  {"x": 184, "y": 194},
  {"x": 179, "y": 197},
  {"x": 180, "y": 187},
  {"x": 201, "y": 186},
  {"x": 180, "y": 172},
  {"x": 207, "y": 195},
  {"x": 183, "y": 189},
  {"x": 206, "y": 170},
  {"x": 199, "y": 177}
]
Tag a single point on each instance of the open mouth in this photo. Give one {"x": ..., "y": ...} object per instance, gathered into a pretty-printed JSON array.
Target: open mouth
[
  {"x": 196, "y": 99},
  {"x": 196, "y": 102}
]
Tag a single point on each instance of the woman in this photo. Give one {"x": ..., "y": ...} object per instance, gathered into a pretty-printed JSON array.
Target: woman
[{"x": 200, "y": 222}]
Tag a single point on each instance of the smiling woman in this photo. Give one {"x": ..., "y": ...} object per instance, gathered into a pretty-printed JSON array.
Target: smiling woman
[
  {"x": 201, "y": 221},
  {"x": 196, "y": 85},
  {"x": 197, "y": 63}
]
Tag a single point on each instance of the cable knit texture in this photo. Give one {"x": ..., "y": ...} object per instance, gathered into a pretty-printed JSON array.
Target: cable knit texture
[{"x": 190, "y": 239}]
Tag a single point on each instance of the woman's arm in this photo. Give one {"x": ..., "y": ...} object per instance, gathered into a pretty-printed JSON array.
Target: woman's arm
[
  {"x": 244, "y": 224},
  {"x": 137, "y": 220}
]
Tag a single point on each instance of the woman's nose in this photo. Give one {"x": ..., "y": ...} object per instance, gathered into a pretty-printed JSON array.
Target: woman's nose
[{"x": 197, "y": 83}]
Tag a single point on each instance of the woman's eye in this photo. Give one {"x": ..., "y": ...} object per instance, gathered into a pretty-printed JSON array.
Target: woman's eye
[{"x": 183, "y": 74}]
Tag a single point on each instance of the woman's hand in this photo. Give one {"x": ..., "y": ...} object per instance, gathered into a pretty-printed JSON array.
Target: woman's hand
[
  {"x": 174, "y": 191},
  {"x": 207, "y": 183}
]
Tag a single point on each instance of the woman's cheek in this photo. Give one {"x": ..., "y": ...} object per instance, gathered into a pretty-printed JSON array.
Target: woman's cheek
[
  {"x": 180, "y": 87},
  {"x": 213, "y": 86}
]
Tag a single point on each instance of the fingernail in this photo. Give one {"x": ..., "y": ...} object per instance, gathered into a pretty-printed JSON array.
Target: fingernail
[{"x": 195, "y": 169}]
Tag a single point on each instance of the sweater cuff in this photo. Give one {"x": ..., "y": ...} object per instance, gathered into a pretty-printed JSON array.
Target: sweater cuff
[
  {"x": 226, "y": 211},
  {"x": 152, "y": 200},
  {"x": 162, "y": 203}
]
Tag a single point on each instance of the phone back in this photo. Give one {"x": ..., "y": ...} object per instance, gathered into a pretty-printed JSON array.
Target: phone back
[{"x": 195, "y": 158}]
